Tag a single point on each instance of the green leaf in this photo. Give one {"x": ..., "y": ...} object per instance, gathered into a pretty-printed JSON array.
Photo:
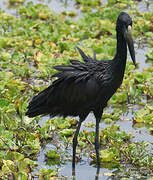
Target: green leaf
[
  {"x": 52, "y": 154},
  {"x": 67, "y": 132},
  {"x": 106, "y": 155}
]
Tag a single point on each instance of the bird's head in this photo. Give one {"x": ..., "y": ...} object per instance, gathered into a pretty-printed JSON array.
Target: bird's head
[{"x": 124, "y": 26}]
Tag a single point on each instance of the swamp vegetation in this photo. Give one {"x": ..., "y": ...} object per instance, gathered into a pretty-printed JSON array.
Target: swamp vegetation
[{"x": 32, "y": 40}]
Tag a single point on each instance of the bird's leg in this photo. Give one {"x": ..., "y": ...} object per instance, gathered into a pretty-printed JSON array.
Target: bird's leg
[
  {"x": 97, "y": 173},
  {"x": 97, "y": 142},
  {"x": 98, "y": 117},
  {"x": 75, "y": 142}
]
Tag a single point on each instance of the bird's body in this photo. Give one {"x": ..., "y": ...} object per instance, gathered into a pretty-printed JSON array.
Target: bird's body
[
  {"x": 79, "y": 89},
  {"x": 84, "y": 87}
]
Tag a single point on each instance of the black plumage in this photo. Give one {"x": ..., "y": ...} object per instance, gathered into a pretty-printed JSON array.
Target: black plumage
[{"x": 86, "y": 86}]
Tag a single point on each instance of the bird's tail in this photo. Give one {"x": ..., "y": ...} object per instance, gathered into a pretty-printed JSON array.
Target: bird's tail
[{"x": 38, "y": 105}]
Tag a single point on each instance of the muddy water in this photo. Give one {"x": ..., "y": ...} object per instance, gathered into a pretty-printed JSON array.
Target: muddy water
[{"x": 83, "y": 169}]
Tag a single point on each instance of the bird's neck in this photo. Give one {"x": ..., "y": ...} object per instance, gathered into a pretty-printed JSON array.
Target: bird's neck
[{"x": 121, "y": 54}]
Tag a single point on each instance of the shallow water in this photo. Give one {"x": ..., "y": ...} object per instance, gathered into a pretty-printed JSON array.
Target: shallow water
[
  {"x": 56, "y": 6},
  {"x": 68, "y": 5},
  {"x": 83, "y": 169}
]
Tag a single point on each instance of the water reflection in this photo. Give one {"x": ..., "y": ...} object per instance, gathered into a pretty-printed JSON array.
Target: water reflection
[
  {"x": 97, "y": 173},
  {"x": 96, "y": 176}
]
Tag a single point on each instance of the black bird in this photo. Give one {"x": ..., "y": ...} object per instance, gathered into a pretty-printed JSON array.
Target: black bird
[{"x": 84, "y": 87}]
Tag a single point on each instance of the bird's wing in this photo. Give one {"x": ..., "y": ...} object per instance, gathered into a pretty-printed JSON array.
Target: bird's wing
[
  {"x": 85, "y": 57},
  {"x": 76, "y": 89},
  {"x": 78, "y": 82},
  {"x": 81, "y": 71}
]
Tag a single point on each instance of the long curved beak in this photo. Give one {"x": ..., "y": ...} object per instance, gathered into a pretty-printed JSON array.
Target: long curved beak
[{"x": 129, "y": 40}]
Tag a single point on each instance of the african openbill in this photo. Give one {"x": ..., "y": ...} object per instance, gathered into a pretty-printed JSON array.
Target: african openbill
[{"x": 84, "y": 87}]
